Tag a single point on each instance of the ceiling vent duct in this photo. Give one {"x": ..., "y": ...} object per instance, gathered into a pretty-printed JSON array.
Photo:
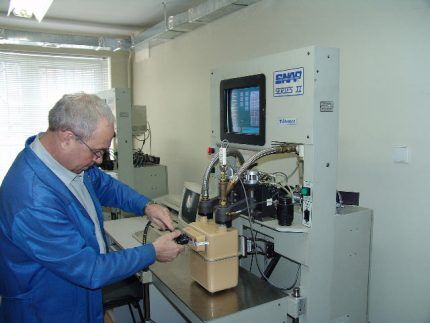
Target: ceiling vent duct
[
  {"x": 171, "y": 27},
  {"x": 17, "y": 37},
  {"x": 189, "y": 20}
]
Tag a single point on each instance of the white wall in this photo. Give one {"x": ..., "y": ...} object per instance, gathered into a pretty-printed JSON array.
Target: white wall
[{"x": 384, "y": 101}]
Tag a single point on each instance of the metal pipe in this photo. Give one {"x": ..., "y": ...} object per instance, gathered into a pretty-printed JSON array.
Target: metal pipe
[
  {"x": 284, "y": 148},
  {"x": 223, "y": 187},
  {"x": 205, "y": 183}
]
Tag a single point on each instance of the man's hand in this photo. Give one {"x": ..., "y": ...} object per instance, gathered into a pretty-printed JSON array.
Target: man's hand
[
  {"x": 166, "y": 248},
  {"x": 160, "y": 216}
]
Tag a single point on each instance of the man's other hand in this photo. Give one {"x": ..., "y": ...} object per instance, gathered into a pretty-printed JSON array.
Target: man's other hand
[
  {"x": 160, "y": 216},
  {"x": 166, "y": 248}
]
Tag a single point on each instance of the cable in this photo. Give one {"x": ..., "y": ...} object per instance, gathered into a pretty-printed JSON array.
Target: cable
[
  {"x": 283, "y": 174},
  {"x": 146, "y": 136},
  {"x": 252, "y": 257},
  {"x": 244, "y": 209},
  {"x": 255, "y": 243},
  {"x": 145, "y": 232},
  {"x": 255, "y": 204},
  {"x": 150, "y": 138},
  {"x": 294, "y": 170},
  {"x": 297, "y": 278},
  {"x": 141, "y": 159},
  {"x": 261, "y": 253},
  {"x": 286, "y": 189}
]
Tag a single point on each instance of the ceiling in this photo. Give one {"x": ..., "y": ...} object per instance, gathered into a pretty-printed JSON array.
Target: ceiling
[{"x": 119, "y": 18}]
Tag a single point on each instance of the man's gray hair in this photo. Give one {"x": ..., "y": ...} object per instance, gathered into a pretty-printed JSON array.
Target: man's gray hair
[{"x": 79, "y": 113}]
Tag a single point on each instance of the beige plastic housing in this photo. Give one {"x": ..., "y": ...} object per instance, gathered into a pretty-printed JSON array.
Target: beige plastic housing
[{"x": 214, "y": 260}]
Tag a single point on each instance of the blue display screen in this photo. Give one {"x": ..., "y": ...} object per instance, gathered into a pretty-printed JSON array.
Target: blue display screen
[{"x": 243, "y": 113}]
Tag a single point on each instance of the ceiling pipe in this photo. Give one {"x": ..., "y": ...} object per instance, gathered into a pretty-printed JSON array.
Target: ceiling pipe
[
  {"x": 189, "y": 20},
  {"x": 18, "y": 37},
  {"x": 67, "y": 26},
  {"x": 170, "y": 28}
]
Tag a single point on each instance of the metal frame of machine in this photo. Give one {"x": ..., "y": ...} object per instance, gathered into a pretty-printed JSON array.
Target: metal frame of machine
[{"x": 326, "y": 248}]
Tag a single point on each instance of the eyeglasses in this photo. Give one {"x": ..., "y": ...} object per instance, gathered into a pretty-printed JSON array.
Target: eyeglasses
[{"x": 96, "y": 152}]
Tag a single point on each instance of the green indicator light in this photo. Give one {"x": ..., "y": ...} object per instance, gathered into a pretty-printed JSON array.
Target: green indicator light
[{"x": 305, "y": 191}]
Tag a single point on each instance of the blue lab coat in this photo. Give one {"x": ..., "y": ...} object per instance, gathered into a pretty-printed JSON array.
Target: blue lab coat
[{"x": 51, "y": 269}]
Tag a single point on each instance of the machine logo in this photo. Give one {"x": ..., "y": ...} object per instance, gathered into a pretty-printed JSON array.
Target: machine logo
[
  {"x": 288, "y": 82},
  {"x": 287, "y": 121}
]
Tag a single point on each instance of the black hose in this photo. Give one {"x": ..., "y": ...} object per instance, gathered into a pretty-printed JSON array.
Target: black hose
[{"x": 145, "y": 232}]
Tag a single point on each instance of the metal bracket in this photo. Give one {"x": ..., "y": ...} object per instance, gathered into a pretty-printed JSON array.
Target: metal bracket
[
  {"x": 296, "y": 306},
  {"x": 145, "y": 276}
]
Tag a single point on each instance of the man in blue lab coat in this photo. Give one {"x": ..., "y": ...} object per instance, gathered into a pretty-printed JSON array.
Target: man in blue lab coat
[{"x": 53, "y": 254}]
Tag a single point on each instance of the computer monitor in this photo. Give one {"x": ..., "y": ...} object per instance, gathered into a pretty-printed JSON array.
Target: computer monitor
[
  {"x": 190, "y": 203},
  {"x": 243, "y": 110}
]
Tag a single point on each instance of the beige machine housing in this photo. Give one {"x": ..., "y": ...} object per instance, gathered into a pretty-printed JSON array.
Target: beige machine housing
[{"x": 214, "y": 255}]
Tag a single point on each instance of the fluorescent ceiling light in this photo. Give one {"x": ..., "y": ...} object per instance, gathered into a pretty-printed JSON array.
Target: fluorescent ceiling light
[{"x": 28, "y": 8}]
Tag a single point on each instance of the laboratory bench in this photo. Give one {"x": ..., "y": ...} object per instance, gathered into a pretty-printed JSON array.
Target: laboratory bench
[{"x": 252, "y": 300}]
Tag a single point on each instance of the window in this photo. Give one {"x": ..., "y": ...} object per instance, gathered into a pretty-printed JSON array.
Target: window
[{"x": 30, "y": 84}]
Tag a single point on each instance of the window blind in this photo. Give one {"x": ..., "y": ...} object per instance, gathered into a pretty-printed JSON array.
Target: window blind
[{"x": 30, "y": 84}]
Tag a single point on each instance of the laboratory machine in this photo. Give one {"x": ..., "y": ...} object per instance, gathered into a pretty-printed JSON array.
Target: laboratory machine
[{"x": 275, "y": 134}]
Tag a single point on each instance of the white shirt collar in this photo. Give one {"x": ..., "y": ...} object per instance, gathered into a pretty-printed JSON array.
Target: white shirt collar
[{"x": 65, "y": 175}]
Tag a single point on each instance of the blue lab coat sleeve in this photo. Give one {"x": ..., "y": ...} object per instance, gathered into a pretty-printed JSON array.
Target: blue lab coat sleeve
[
  {"x": 113, "y": 193},
  {"x": 51, "y": 268},
  {"x": 51, "y": 239}
]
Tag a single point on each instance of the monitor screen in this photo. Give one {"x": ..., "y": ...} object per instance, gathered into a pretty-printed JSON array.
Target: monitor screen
[
  {"x": 243, "y": 115},
  {"x": 243, "y": 109},
  {"x": 190, "y": 202}
]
